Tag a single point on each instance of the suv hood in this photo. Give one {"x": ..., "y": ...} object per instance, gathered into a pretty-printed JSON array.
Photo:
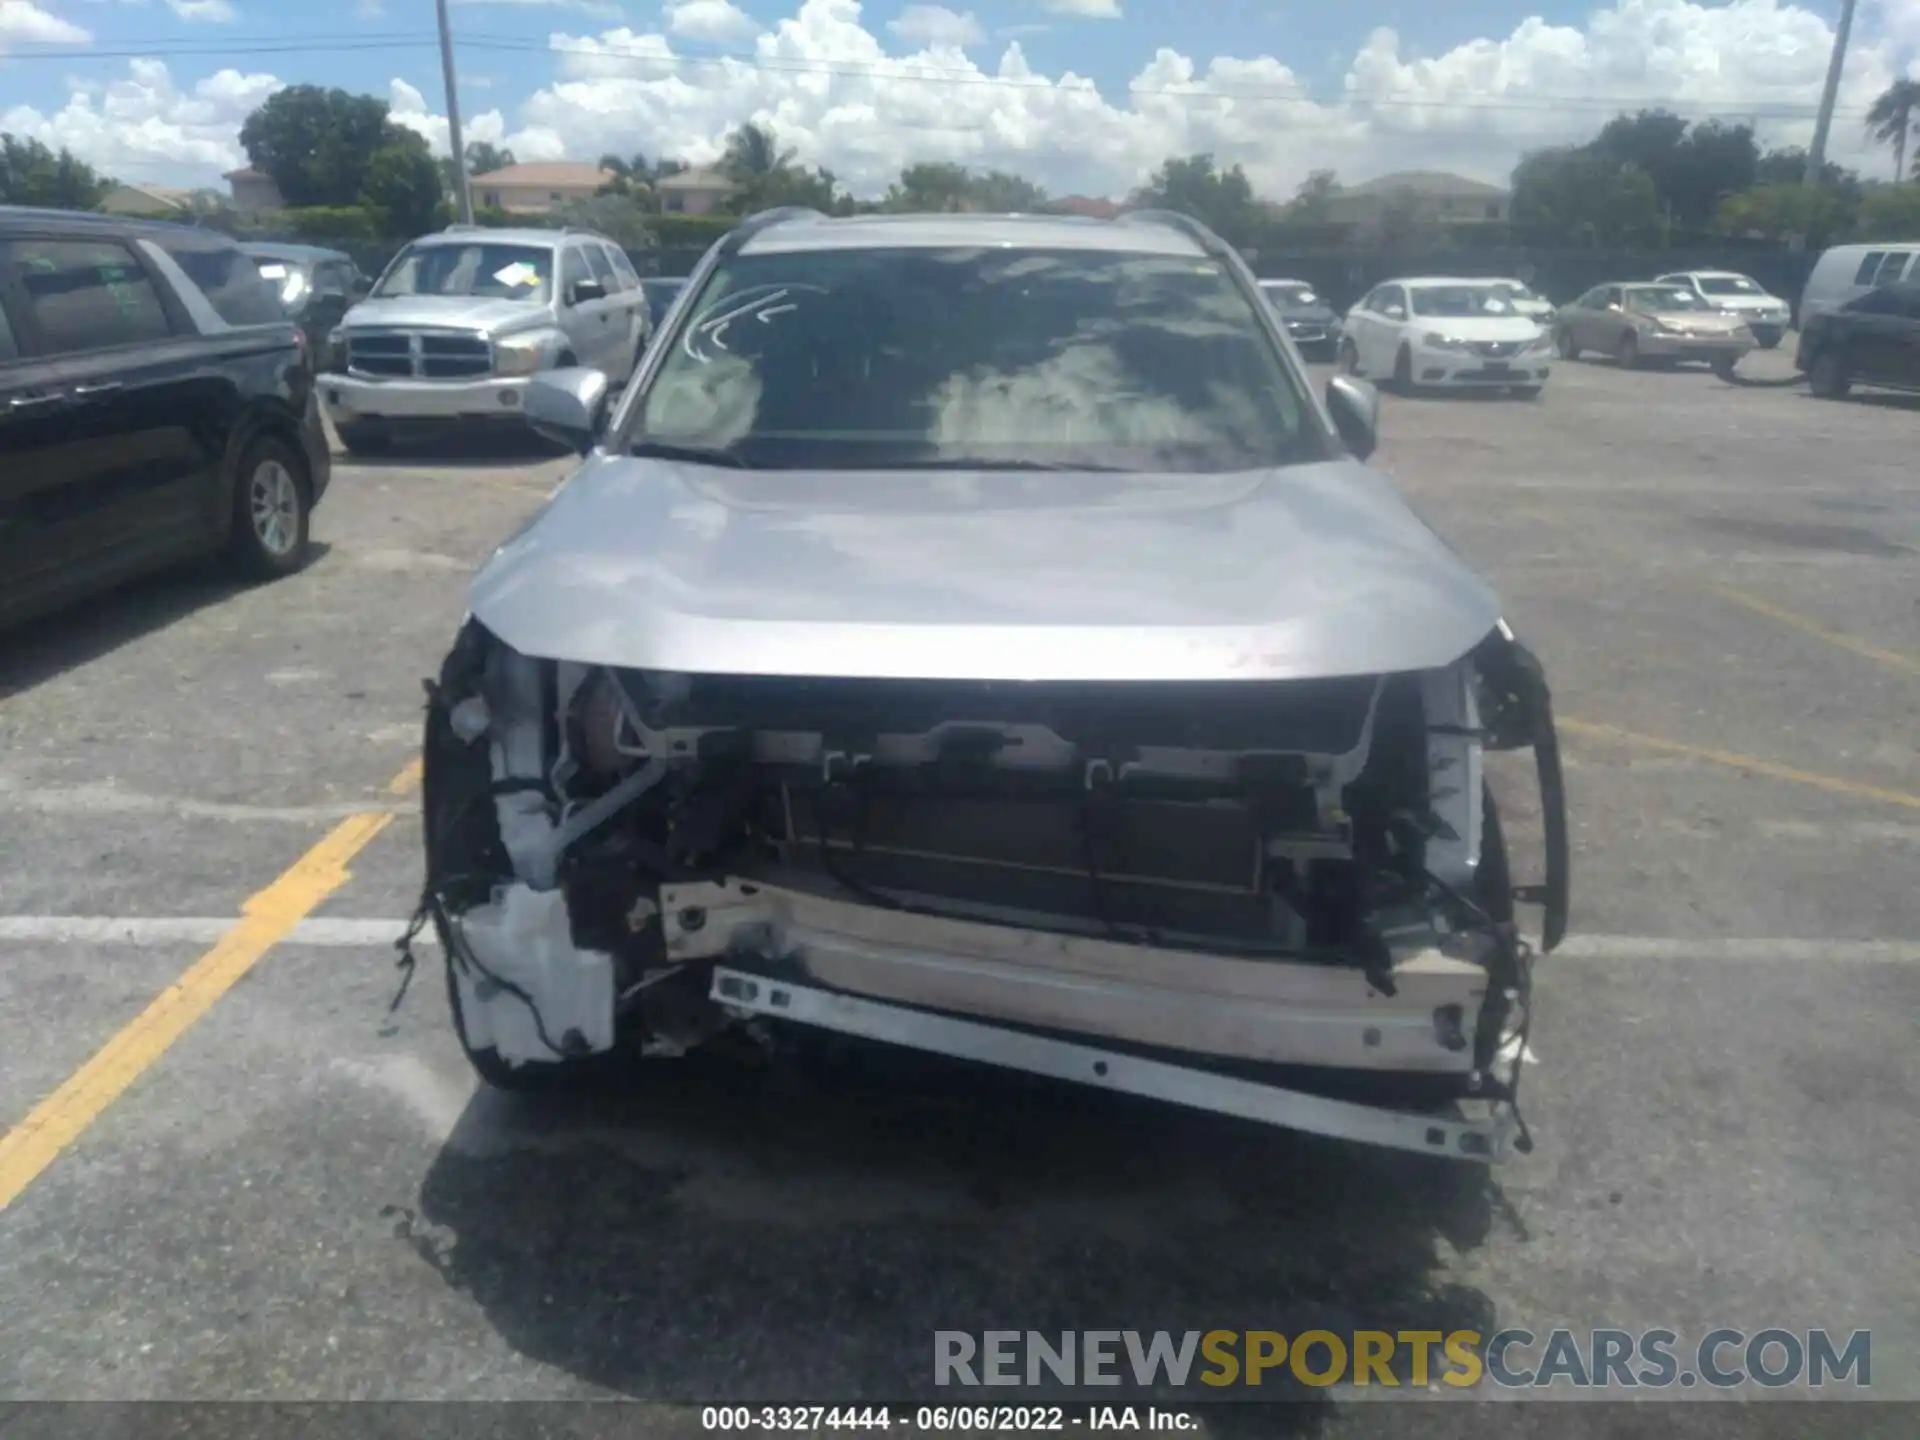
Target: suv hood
[
  {"x": 448, "y": 312},
  {"x": 1311, "y": 570}
]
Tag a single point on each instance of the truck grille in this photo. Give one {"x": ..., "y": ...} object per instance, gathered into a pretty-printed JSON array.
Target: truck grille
[{"x": 419, "y": 355}]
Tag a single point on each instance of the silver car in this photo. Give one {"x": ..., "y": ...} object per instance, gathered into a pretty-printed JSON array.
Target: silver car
[
  {"x": 461, "y": 320},
  {"x": 972, "y": 633}
]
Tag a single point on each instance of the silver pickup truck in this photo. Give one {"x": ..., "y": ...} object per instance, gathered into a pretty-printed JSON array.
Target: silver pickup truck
[{"x": 461, "y": 319}]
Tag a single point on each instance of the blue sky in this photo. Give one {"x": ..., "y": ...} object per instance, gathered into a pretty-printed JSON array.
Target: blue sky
[{"x": 156, "y": 89}]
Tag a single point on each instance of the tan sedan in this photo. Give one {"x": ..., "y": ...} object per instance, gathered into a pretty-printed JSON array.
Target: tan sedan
[{"x": 1636, "y": 323}]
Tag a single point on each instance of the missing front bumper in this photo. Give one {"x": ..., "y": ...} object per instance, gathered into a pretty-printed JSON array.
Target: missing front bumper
[{"x": 1488, "y": 1139}]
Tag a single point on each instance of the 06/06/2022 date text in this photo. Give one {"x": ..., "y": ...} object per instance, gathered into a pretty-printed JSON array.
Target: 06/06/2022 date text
[{"x": 961, "y": 1419}]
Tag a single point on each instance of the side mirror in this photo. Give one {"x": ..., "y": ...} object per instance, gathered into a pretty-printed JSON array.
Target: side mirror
[
  {"x": 568, "y": 406},
  {"x": 1355, "y": 406},
  {"x": 584, "y": 290},
  {"x": 1394, "y": 312}
]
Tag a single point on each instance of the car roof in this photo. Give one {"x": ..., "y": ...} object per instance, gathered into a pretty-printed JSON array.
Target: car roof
[
  {"x": 1123, "y": 235},
  {"x": 507, "y": 235},
  {"x": 275, "y": 250},
  {"x": 1450, "y": 280},
  {"x": 92, "y": 220}
]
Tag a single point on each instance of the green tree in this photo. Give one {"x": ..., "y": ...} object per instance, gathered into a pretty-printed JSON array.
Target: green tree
[
  {"x": 33, "y": 174},
  {"x": 1220, "y": 199},
  {"x": 622, "y": 218},
  {"x": 1888, "y": 212},
  {"x": 1312, "y": 203},
  {"x": 317, "y": 144},
  {"x": 1893, "y": 118},
  {"x": 403, "y": 188},
  {"x": 815, "y": 189},
  {"x": 1693, "y": 168},
  {"x": 1781, "y": 210},
  {"x": 943, "y": 187},
  {"x": 1585, "y": 198},
  {"x": 1788, "y": 166}
]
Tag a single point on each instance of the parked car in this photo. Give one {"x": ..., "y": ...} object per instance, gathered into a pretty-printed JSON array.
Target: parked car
[
  {"x": 661, "y": 292},
  {"x": 1524, "y": 299},
  {"x": 1846, "y": 272},
  {"x": 1766, "y": 314},
  {"x": 1871, "y": 340},
  {"x": 144, "y": 420},
  {"x": 1309, "y": 320},
  {"x": 973, "y": 633},
  {"x": 1635, "y": 323},
  {"x": 1433, "y": 331},
  {"x": 317, "y": 286},
  {"x": 459, "y": 321}
]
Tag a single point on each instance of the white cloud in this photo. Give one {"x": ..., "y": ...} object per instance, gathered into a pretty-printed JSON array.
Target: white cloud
[
  {"x": 214, "y": 11},
  {"x": 1089, "y": 9},
  {"x": 936, "y": 26},
  {"x": 145, "y": 127},
  {"x": 838, "y": 94},
  {"x": 408, "y": 107},
  {"x": 369, "y": 9},
  {"x": 23, "y": 21},
  {"x": 716, "y": 20}
]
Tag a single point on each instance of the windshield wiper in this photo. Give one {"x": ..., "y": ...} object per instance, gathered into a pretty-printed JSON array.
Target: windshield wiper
[{"x": 691, "y": 454}]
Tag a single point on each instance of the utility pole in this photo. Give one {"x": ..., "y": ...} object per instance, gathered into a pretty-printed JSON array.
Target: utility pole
[
  {"x": 1817, "y": 152},
  {"x": 463, "y": 192}
]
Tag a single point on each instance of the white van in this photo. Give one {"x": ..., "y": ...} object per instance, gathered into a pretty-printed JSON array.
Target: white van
[{"x": 1849, "y": 270}]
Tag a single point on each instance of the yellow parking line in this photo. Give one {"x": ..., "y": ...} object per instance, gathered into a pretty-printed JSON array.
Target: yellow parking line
[
  {"x": 1832, "y": 784},
  {"x": 266, "y": 919},
  {"x": 1814, "y": 628}
]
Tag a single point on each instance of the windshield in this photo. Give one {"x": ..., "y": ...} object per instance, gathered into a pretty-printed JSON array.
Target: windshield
[
  {"x": 1729, "y": 285},
  {"x": 1459, "y": 302},
  {"x": 1288, "y": 296},
  {"x": 977, "y": 357},
  {"x": 1513, "y": 291},
  {"x": 1657, "y": 299},
  {"x": 292, "y": 282},
  {"x": 480, "y": 270}
]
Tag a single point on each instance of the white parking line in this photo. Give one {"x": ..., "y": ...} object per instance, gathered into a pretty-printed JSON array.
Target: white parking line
[{"x": 347, "y": 933}]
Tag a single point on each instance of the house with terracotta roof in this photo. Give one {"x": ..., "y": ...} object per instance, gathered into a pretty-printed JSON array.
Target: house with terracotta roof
[
  {"x": 535, "y": 188},
  {"x": 129, "y": 199},
  {"x": 1437, "y": 195},
  {"x": 1090, "y": 206},
  {"x": 694, "y": 192}
]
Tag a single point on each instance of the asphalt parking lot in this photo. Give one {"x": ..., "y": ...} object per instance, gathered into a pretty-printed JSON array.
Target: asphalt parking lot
[{"x": 278, "y": 1190}]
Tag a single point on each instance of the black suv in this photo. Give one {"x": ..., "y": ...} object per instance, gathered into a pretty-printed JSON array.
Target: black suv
[
  {"x": 1873, "y": 339},
  {"x": 156, "y": 405}
]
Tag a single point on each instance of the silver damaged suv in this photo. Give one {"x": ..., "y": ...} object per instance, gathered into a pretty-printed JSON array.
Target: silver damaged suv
[{"x": 462, "y": 319}]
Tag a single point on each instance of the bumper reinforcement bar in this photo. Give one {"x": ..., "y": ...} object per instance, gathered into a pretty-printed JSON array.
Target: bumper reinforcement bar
[{"x": 1486, "y": 1140}]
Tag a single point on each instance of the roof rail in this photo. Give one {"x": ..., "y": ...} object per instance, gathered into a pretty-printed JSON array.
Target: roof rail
[
  {"x": 458, "y": 229},
  {"x": 1178, "y": 220},
  {"x": 760, "y": 220}
]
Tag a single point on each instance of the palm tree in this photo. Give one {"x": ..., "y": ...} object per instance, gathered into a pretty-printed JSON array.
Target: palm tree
[
  {"x": 1892, "y": 119},
  {"x": 753, "y": 153}
]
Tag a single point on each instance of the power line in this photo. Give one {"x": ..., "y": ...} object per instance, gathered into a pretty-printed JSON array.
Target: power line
[{"x": 1735, "y": 107}]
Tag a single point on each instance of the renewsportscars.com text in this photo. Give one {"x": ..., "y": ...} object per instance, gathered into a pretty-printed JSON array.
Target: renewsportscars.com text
[{"x": 1599, "y": 1359}]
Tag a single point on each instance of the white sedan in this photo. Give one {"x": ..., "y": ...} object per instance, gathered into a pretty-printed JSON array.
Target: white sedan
[{"x": 1457, "y": 334}]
